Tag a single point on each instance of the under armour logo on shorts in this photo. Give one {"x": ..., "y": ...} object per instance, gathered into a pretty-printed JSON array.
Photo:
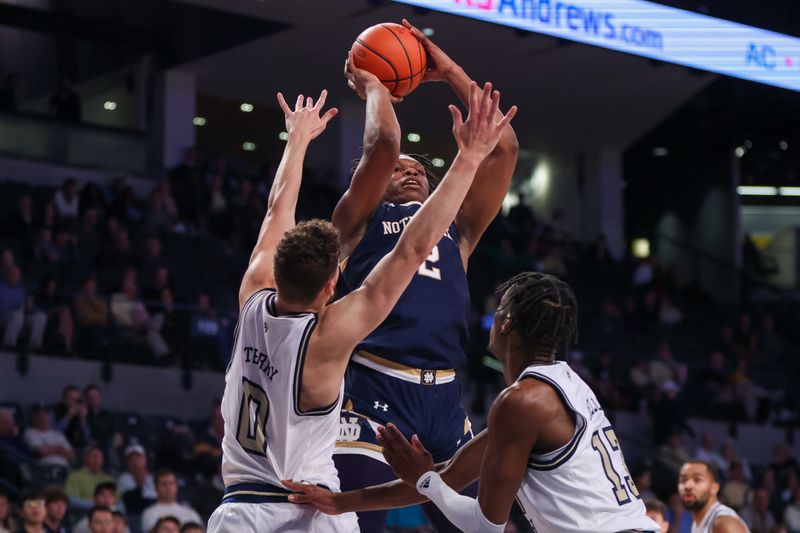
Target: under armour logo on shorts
[{"x": 428, "y": 377}]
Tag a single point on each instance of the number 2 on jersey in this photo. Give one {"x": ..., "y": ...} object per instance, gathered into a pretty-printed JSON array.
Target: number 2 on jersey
[
  {"x": 620, "y": 492},
  {"x": 253, "y": 413},
  {"x": 431, "y": 272}
]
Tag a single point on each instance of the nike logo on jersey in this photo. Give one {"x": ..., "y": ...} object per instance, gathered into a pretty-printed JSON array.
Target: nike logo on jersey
[{"x": 260, "y": 359}]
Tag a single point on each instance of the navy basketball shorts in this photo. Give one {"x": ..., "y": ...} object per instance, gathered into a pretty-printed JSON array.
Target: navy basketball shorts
[{"x": 422, "y": 402}]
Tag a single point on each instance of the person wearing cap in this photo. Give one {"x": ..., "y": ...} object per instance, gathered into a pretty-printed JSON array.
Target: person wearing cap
[
  {"x": 49, "y": 445},
  {"x": 56, "y": 504},
  {"x": 32, "y": 513},
  {"x": 82, "y": 482},
  {"x": 136, "y": 486}
]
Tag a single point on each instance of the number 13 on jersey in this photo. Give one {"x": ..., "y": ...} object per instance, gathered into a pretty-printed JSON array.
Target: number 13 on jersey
[{"x": 623, "y": 488}]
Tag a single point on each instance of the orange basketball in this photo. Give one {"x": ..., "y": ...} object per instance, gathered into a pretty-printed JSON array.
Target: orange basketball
[{"x": 393, "y": 54}]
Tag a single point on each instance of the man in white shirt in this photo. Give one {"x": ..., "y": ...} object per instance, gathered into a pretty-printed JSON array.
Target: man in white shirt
[
  {"x": 167, "y": 503},
  {"x": 49, "y": 445},
  {"x": 136, "y": 487}
]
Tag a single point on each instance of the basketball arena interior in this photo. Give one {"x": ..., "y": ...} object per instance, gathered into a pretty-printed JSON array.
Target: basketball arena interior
[{"x": 139, "y": 140}]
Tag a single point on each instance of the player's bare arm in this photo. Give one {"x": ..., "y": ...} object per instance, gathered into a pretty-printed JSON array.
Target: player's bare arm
[
  {"x": 459, "y": 472},
  {"x": 729, "y": 524},
  {"x": 493, "y": 178},
  {"x": 380, "y": 153},
  {"x": 304, "y": 123},
  {"x": 346, "y": 322}
]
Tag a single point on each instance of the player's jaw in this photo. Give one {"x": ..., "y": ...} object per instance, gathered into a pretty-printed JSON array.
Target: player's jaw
[{"x": 693, "y": 500}]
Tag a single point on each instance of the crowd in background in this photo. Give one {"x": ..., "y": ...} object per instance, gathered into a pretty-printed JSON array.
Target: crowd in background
[{"x": 104, "y": 272}]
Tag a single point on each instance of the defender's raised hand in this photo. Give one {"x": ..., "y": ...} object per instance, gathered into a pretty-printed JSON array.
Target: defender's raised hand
[
  {"x": 478, "y": 135},
  {"x": 305, "y": 120},
  {"x": 408, "y": 460}
]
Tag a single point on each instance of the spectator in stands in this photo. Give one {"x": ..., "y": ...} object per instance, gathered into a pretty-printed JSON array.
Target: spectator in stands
[
  {"x": 707, "y": 451},
  {"x": 188, "y": 186},
  {"x": 81, "y": 484},
  {"x": 784, "y": 466},
  {"x": 65, "y": 103},
  {"x": 192, "y": 527},
  {"x": 730, "y": 455},
  {"x": 7, "y": 522},
  {"x": 119, "y": 254},
  {"x": 55, "y": 505},
  {"x": 791, "y": 515},
  {"x": 67, "y": 244},
  {"x": 745, "y": 335},
  {"x": 657, "y": 511},
  {"x": 207, "y": 332},
  {"x": 130, "y": 314},
  {"x": 102, "y": 426},
  {"x": 219, "y": 217},
  {"x": 48, "y": 219},
  {"x": 167, "y": 503},
  {"x": 51, "y": 302},
  {"x": 20, "y": 225},
  {"x": 32, "y": 513},
  {"x": 673, "y": 454},
  {"x": 735, "y": 491},
  {"x": 45, "y": 249},
  {"x": 746, "y": 391},
  {"x": 154, "y": 287},
  {"x": 757, "y": 514},
  {"x": 9, "y": 434},
  {"x": 126, "y": 207},
  {"x": 150, "y": 262},
  {"x": 49, "y": 445},
  {"x": 70, "y": 417},
  {"x": 16, "y": 310},
  {"x": 120, "y": 523},
  {"x": 136, "y": 486},
  {"x": 66, "y": 200},
  {"x": 91, "y": 199},
  {"x": 91, "y": 311},
  {"x": 101, "y": 520},
  {"x": 105, "y": 495},
  {"x": 8, "y": 92},
  {"x": 664, "y": 368},
  {"x": 644, "y": 484},
  {"x": 208, "y": 447},
  {"x": 167, "y": 524}
]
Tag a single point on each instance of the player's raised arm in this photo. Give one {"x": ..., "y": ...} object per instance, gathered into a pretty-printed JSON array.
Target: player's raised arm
[
  {"x": 350, "y": 319},
  {"x": 493, "y": 177},
  {"x": 303, "y": 124},
  {"x": 374, "y": 170}
]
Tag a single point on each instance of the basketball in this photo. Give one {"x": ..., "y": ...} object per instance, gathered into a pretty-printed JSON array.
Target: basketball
[{"x": 393, "y": 54}]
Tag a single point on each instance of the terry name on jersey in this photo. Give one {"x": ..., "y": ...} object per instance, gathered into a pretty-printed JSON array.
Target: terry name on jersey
[{"x": 261, "y": 360}]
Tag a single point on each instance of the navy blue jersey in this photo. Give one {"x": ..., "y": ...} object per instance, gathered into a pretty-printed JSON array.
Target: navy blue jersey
[{"x": 428, "y": 326}]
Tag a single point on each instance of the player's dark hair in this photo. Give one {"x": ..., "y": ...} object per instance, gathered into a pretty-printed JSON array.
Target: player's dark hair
[
  {"x": 656, "y": 506},
  {"x": 543, "y": 311},
  {"x": 712, "y": 468},
  {"x": 305, "y": 260}
]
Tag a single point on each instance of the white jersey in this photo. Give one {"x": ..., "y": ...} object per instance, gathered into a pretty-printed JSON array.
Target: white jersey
[
  {"x": 584, "y": 485},
  {"x": 707, "y": 523},
  {"x": 268, "y": 437}
]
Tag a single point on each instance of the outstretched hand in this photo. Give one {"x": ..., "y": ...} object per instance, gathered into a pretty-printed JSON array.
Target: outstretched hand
[
  {"x": 322, "y": 499},
  {"x": 478, "y": 135},
  {"x": 305, "y": 119},
  {"x": 408, "y": 460},
  {"x": 439, "y": 63}
]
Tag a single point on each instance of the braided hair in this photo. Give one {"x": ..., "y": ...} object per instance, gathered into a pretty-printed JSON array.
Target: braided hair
[{"x": 544, "y": 312}]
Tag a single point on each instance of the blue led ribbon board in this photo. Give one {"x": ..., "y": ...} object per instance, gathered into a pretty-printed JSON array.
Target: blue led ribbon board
[{"x": 649, "y": 30}]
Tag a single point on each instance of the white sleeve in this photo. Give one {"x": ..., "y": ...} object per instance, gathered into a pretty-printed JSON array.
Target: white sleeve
[{"x": 463, "y": 511}]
